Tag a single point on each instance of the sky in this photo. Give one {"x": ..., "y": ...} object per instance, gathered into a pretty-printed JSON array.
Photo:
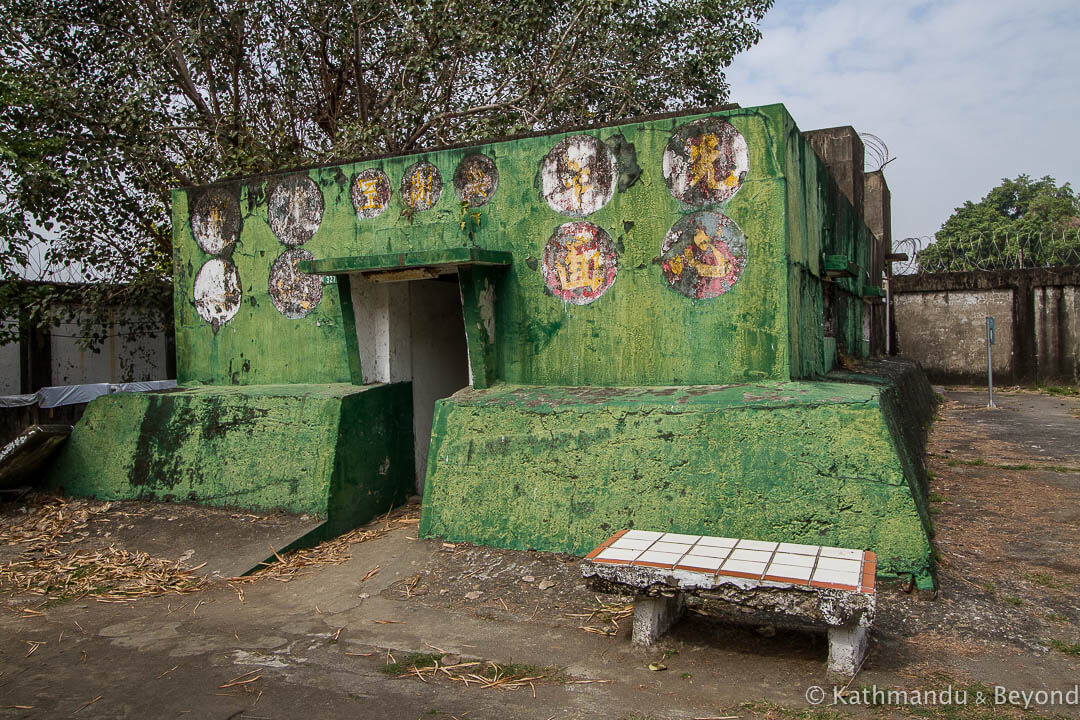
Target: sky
[{"x": 963, "y": 92}]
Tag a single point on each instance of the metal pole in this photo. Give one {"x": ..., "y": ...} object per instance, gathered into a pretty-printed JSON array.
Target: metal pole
[{"x": 990, "y": 358}]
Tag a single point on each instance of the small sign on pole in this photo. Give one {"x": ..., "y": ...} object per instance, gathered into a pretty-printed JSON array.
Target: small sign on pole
[{"x": 990, "y": 358}]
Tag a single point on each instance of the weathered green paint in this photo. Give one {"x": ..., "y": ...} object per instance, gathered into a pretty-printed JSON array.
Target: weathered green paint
[
  {"x": 339, "y": 451},
  {"x": 640, "y": 332},
  {"x": 556, "y": 467},
  {"x": 560, "y": 469}
]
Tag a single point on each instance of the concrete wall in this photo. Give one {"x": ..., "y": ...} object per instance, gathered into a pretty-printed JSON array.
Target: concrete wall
[
  {"x": 10, "y": 367},
  {"x": 945, "y": 331},
  {"x": 1057, "y": 332},
  {"x": 55, "y": 357},
  {"x": 940, "y": 321},
  {"x": 122, "y": 357}
]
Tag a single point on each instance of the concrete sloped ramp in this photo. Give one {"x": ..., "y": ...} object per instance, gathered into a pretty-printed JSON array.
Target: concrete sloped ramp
[{"x": 23, "y": 458}]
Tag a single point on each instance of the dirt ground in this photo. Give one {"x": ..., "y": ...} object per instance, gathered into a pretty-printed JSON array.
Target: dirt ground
[{"x": 102, "y": 618}]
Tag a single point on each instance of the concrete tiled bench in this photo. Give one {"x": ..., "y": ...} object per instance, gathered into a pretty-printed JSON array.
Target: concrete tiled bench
[{"x": 799, "y": 584}]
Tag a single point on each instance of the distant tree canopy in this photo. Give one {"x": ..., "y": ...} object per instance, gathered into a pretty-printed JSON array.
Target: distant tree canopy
[
  {"x": 1020, "y": 223},
  {"x": 106, "y": 106}
]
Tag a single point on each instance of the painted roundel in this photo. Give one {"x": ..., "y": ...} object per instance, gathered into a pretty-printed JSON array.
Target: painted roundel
[
  {"x": 370, "y": 193},
  {"x": 295, "y": 209},
  {"x": 421, "y": 187},
  {"x": 706, "y": 162},
  {"x": 580, "y": 262},
  {"x": 703, "y": 255},
  {"x": 215, "y": 221},
  {"x": 295, "y": 294},
  {"x": 217, "y": 292},
  {"x": 579, "y": 176},
  {"x": 476, "y": 179}
]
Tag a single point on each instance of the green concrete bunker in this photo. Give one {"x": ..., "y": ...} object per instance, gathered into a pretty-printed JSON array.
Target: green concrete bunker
[{"x": 551, "y": 337}]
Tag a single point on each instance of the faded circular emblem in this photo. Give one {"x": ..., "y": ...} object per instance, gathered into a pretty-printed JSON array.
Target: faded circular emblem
[
  {"x": 580, "y": 262},
  {"x": 421, "y": 187},
  {"x": 217, "y": 292},
  {"x": 706, "y": 162},
  {"x": 295, "y": 209},
  {"x": 703, "y": 255},
  {"x": 370, "y": 193},
  {"x": 215, "y": 222},
  {"x": 579, "y": 176},
  {"x": 476, "y": 179},
  {"x": 295, "y": 294}
]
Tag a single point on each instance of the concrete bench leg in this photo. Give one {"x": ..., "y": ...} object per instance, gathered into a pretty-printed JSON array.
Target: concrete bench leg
[
  {"x": 847, "y": 647},
  {"x": 654, "y": 615}
]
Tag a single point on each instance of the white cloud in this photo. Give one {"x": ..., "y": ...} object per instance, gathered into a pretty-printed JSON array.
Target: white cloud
[{"x": 965, "y": 92}]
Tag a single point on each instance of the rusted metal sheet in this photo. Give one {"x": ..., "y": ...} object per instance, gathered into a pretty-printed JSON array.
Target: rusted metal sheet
[
  {"x": 580, "y": 262},
  {"x": 371, "y": 192},
  {"x": 295, "y": 294},
  {"x": 476, "y": 179},
  {"x": 706, "y": 162},
  {"x": 217, "y": 293},
  {"x": 295, "y": 209},
  {"x": 215, "y": 221},
  {"x": 703, "y": 255},
  {"x": 421, "y": 187},
  {"x": 24, "y": 455},
  {"x": 579, "y": 176}
]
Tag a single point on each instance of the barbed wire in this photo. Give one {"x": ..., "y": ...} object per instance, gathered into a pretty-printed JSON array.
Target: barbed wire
[{"x": 987, "y": 251}]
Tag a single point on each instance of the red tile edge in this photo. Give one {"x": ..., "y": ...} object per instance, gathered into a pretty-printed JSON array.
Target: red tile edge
[
  {"x": 834, "y": 586},
  {"x": 662, "y": 566},
  {"x": 789, "y": 581},
  {"x": 694, "y": 568},
  {"x": 595, "y": 552},
  {"x": 618, "y": 534},
  {"x": 610, "y": 561},
  {"x": 736, "y": 573}
]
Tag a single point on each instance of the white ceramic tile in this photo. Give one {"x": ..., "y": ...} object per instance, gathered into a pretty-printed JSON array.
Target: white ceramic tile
[
  {"x": 756, "y": 545},
  {"x": 662, "y": 546},
  {"x": 617, "y": 554},
  {"x": 751, "y": 555},
  {"x": 836, "y": 552},
  {"x": 659, "y": 557},
  {"x": 709, "y": 551},
  {"x": 642, "y": 535},
  {"x": 783, "y": 558},
  {"x": 789, "y": 572},
  {"x": 846, "y": 566},
  {"x": 702, "y": 561},
  {"x": 834, "y": 576},
  {"x": 796, "y": 549},
  {"x": 718, "y": 541},
  {"x": 677, "y": 538},
  {"x": 754, "y": 568},
  {"x": 631, "y": 544}
]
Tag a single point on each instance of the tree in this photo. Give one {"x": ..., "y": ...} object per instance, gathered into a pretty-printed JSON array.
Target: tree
[
  {"x": 109, "y": 105},
  {"x": 1020, "y": 223}
]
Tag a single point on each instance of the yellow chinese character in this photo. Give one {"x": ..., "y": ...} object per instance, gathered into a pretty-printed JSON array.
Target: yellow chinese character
[
  {"x": 370, "y": 189},
  {"x": 703, "y": 157},
  {"x": 581, "y": 267},
  {"x": 578, "y": 183},
  {"x": 722, "y": 265},
  {"x": 420, "y": 188},
  {"x": 475, "y": 182}
]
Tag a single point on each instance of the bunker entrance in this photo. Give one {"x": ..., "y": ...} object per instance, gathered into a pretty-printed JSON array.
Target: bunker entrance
[{"x": 412, "y": 330}]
